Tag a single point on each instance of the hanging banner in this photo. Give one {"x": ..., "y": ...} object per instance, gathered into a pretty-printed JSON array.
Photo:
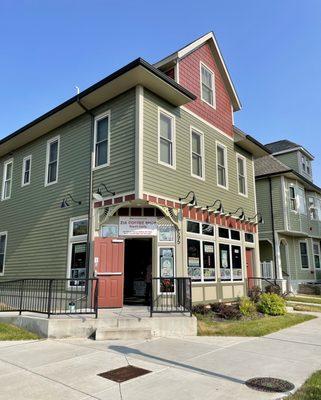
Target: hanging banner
[{"x": 137, "y": 226}]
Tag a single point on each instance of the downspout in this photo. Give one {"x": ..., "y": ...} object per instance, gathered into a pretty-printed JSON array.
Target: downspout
[
  {"x": 273, "y": 230},
  {"x": 90, "y": 198}
]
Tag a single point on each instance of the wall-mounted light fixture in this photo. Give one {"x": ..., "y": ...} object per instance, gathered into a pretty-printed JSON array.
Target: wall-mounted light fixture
[
  {"x": 98, "y": 194},
  {"x": 193, "y": 201},
  {"x": 66, "y": 201},
  {"x": 240, "y": 217},
  {"x": 218, "y": 210},
  {"x": 257, "y": 219}
]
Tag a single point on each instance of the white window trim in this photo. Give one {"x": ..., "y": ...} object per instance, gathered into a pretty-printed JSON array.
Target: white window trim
[
  {"x": 172, "y": 117},
  {"x": 241, "y": 157},
  {"x": 307, "y": 246},
  {"x": 25, "y": 159},
  {"x": 298, "y": 188},
  {"x": 202, "y": 64},
  {"x": 219, "y": 144},
  {"x": 98, "y": 118},
  {"x": 74, "y": 239},
  {"x": 314, "y": 254},
  {"x": 198, "y": 132},
  {"x": 164, "y": 246},
  {"x": 54, "y": 139},
  {"x": 230, "y": 243},
  {"x": 5, "y": 233},
  {"x": 295, "y": 197},
  {"x": 5, "y": 167}
]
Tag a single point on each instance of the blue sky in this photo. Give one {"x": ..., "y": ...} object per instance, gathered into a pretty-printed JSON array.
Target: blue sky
[{"x": 272, "y": 49}]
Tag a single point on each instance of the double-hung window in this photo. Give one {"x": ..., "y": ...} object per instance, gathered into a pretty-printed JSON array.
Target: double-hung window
[
  {"x": 316, "y": 254},
  {"x": 78, "y": 250},
  {"x": 221, "y": 165},
  {"x": 26, "y": 171},
  {"x": 3, "y": 246},
  {"x": 241, "y": 175},
  {"x": 292, "y": 198},
  {"x": 52, "y": 161},
  {"x": 166, "y": 144},
  {"x": 207, "y": 86},
  {"x": 102, "y": 140},
  {"x": 302, "y": 201},
  {"x": 304, "y": 255},
  {"x": 7, "y": 180},
  {"x": 197, "y": 154}
]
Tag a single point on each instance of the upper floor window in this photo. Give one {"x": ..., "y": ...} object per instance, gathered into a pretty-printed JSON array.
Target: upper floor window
[
  {"x": 197, "y": 154},
  {"x": 207, "y": 86},
  {"x": 241, "y": 175},
  {"x": 3, "y": 246},
  {"x": 26, "y": 171},
  {"x": 52, "y": 161},
  {"x": 166, "y": 139},
  {"x": 293, "y": 205},
  {"x": 221, "y": 165},
  {"x": 7, "y": 180},
  {"x": 301, "y": 200},
  {"x": 304, "y": 255},
  {"x": 312, "y": 208},
  {"x": 306, "y": 164},
  {"x": 102, "y": 140}
]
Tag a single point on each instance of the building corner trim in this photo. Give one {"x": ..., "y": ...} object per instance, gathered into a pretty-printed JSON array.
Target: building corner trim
[{"x": 139, "y": 137}]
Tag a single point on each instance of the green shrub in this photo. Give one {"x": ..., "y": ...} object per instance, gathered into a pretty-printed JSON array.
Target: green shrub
[
  {"x": 202, "y": 309},
  {"x": 247, "y": 307},
  {"x": 254, "y": 293},
  {"x": 271, "y": 304}
]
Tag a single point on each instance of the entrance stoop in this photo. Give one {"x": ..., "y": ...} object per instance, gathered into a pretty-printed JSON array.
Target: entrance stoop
[{"x": 126, "y": 323}]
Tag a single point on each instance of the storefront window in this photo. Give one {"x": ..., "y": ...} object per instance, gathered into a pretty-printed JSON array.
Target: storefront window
[
  {"x": 193, "y": 227},
  {"x": 230, "y": 262},
  {"x": 78, "y": 251},
  {"x": 207, "y": 230},
  {"x": 223, "y": 233},
  {"x": 200, "y": 260},
  {"x": 167, "y": 269},
  {"x": 235, "y": 235}
]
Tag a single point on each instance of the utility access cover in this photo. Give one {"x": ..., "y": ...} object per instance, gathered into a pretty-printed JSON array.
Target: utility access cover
[
  {"x": 124, "y": 374},
  {"x": 270, "y": 385}
]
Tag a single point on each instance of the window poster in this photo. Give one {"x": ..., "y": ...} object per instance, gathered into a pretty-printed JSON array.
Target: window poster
[
  {"x": 224, "y": 259},
  {"x": 167, "y": 268},
  {"x": 166, "y": 233},
  {"x": 109, "y": 231}
]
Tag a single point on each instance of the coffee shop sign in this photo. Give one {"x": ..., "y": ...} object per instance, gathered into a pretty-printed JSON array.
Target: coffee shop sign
[{"x": 137, "y": 226}]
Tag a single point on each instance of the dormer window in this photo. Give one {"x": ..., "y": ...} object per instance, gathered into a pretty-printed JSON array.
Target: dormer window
[
  {"x": 305, "y": 164},
  {"x": 207, "y": 86}
]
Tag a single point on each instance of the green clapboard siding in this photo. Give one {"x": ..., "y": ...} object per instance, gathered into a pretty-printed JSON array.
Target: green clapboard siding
[
  {"x": 119, "y": 177},
  {"x": 162, "y": 180},
  {"x": 37, "y": 227},
  {"x": 289, "y": 159}
]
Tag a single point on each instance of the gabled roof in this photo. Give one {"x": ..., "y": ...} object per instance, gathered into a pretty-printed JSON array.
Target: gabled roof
[
  {"x": 286, "y": 146},
  {"x": 211, "y": 40},
  {"x": 138, "y": 72},
  {"x": 269, "y": 165}
]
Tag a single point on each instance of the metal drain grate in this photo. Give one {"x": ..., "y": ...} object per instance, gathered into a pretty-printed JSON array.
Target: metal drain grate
[
  {"x": 270, "y": 385},
  {"x": 124, "y": 374}
]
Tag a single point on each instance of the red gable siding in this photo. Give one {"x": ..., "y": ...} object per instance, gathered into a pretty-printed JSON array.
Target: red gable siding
[{"x": 189, "y": 76}]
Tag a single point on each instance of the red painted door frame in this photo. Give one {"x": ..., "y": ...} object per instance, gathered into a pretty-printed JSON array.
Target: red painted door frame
[
  {"x": 109, "y": 269},
  {"x": 249, "y": 266}
]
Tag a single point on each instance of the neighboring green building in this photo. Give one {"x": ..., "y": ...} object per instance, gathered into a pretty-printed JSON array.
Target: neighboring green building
[
  {"x": 290, "y": 204},
  {"x": 99, "y": 185}
]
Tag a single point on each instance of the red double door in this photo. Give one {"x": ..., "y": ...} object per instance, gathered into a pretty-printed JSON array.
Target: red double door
[{"x": 109, "y": 268}]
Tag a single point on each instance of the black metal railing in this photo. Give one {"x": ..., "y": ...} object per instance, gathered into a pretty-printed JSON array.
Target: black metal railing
[
  {"x": 171, "y": 295},
  {"x": 264, "y": 284},
  {"x": 50, "y": 296}
]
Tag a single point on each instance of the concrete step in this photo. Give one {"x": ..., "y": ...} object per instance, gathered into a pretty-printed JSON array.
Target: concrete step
[{"x": 122, "y": 333}]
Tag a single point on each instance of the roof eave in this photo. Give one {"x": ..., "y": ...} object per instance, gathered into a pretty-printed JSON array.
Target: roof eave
[
  {"x": 249, "y": 143},
  {"x": 138, "y": 72}
]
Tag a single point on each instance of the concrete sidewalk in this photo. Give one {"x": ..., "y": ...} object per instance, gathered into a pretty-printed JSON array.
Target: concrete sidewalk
[{"x": 189, "y": 368}]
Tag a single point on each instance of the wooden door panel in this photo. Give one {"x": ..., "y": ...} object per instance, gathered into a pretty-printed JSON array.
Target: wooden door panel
[{"x": 109, "y": 268}]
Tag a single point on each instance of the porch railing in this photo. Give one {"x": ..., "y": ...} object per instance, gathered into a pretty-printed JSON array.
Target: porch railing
[
  {"x": 267, "y": 269},
  {"x": 262, "y": 283},
  {"x": 50, "y": 296},
  {"x": 171, "y": 295}
]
